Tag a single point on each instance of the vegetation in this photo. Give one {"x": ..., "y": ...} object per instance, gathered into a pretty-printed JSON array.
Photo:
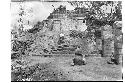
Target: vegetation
[{"x": 41, "y": 39}]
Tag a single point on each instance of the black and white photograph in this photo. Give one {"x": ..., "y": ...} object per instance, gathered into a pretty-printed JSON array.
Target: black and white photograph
[{"x": 66, "y": 41}]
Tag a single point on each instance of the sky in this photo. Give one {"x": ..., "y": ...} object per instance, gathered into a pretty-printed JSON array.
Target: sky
[{"x": 35, "y": 11}]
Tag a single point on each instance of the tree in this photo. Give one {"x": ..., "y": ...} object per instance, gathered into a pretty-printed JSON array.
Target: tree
[
  {"x": 101, "y": 10},
  {"x": 21, "y": 14}
]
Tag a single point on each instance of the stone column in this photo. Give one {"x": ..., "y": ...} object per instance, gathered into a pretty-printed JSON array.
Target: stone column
[
  {"x": 107, "y": 41},
  {"x": 118, "y": 41}
]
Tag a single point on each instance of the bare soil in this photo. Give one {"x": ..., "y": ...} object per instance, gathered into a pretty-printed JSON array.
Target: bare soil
[{"x": 59, "y": 68}]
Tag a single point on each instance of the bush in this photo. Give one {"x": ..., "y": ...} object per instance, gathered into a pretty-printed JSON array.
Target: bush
[
  {"x": 15, "y": 55},
  {"x": 20, "y": 48}
]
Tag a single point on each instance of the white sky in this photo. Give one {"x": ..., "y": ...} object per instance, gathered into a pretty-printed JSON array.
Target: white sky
[{"x": 35, "y": 11}]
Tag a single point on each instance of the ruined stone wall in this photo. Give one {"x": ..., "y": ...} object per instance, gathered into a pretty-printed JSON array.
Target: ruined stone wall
[
  {"x": 68, "y": 24},
  {"x": 81, "y": 25},
  {"x": 65, "y": 23}
]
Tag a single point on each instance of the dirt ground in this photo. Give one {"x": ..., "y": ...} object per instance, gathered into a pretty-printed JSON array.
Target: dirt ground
[{"x": 96, "y": 68}]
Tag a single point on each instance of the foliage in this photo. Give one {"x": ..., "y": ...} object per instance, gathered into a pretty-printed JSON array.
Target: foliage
[
  {"x": 36, "y": 72},
  {"x": 20, "y": 47},
  {"x": 24, "y": 74},
  {"x": 102, "y": 12}
]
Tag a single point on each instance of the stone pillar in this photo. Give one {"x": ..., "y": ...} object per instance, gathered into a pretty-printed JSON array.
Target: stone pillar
[
  {"x": 118, "y": 39},
  {"x": 99, "y": 46},
  {"x": 107, "y": 41},
  {"x": 108, "y": 47}
]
